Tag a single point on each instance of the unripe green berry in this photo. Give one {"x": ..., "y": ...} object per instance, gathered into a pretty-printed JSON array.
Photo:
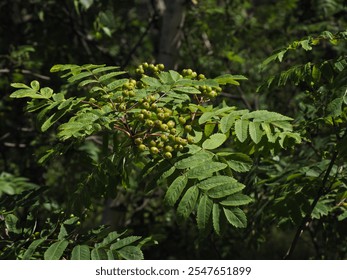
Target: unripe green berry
[
  {"x": 168, "y": 155},
  {"x": 122, "y": 107},
  {"x": 201, "y": 77},
  {"x": 161, "y": 116},
  {"x": 140, "y": 116},
  {"x": 167, "y": 110},
  {"x": 138, "y": 141},
  {"x": 168, "y": 148},
  {"x": 160, "y": 145},
  {"x": 154, "y": 150},
  {"x": 158, "y": 123},
  {"x": 173, "y": 131},
  {"x": 183, "y": 142},
  {"x": 164, "y": 137},
  {"x": 119, "y": 99},
  {"x": 188, "y": 128},
  {"x": 149, "y": 123},
  {"x": 145, "y": 105},
  {"x": 139, "y": 71},
  {"x": 182, "y": 120},
  {"x": 164, "y": 127},
  {"x": 152, "y": 143},
  {"x": 171, "y": 124},
  {"x": 142, "y": 147}
]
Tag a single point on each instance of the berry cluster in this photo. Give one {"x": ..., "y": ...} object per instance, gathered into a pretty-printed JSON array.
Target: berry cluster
[
  {"x": 165, "y": 132},
  {"x": 154, "y": 126},
  {"x": 149, "y": 69}
]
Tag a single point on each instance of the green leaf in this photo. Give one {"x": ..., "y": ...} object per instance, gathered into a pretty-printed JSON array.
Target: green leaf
[
  {"x": 265, "y": 116},
  {"x": 80, "y": 252},
  {"x": 35, "y": 85},
  {"x": 20, "y": 85},
  {"x": 52, "y": 120},
  {"x": 237, "y": 199},
  {"x": 189, "y": 90},
  {"x": 216, "y": 218},
  {"x": 268, "y": 132},
  {"x": 238, "y": 161},
  {"x": 104, "y": 69},
  {"x": 286, "y": 126},
  {"x": 255, "y": 132},
  {"x": 124, "y": 242},
  {"x": 22, "y": 93},
  {"x": 32, "y": 247},
  {"x": 204, "y": 212},
  {"x": 175, "y": 190},
  {"x": 206, "y": 169},
  {"x": 214, "y": 141},
  {"x": 175, "y": 75},
  {"x": 334, "y": 108},
  {"x": 110, "y": 75},
  {"x": 226, "y": 123},
  {"x": 316, "y": 73},
  {"x": 109, "y": 239},
  {"x": 46, "y": 92},
  {"x": 229, "y": 79},
  {"x": 131, "y": 253},
  {"x": 236, "y": 217},
  {"x": 216, "y": 181},
  {"x": 116, "y": 84},
  {"x": 206, "y": 117},
  {"x": 87, "y": 82},
  {"x": 306, "y": 45},
  {"x": 188, "y": 202},
  {"x": 56, "y": 250},
  {"x": 321, "y": 210},
  {"x": 153, "y": 82},
  {"x": 241, "y": 129},
  {"x": 11, "y": 222},
  {"x": 223, "y": 190},
  {"x": 99, "y": 254},
  {"x": 79, "y": 76},
  {"x": 209, "y": 128},
  {"x": 62, "y": 233},
  {"x": 194, "y": 160},
  {"x": 166, "y": 78}
]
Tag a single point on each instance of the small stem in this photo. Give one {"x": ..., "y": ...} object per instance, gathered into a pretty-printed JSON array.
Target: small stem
[{"x": 306, "y": 220}]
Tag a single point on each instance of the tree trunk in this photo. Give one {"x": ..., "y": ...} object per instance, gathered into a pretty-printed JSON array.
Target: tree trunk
[{"x": 171, "y": 31}]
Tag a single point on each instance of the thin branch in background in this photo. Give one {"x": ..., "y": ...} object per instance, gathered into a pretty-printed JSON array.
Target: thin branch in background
[
  {"x": 27, "y": 72},
  {"x": 306, "y": 220},
  {"x": 139, "y": 42},
  {"x": 240, "y": 97}
]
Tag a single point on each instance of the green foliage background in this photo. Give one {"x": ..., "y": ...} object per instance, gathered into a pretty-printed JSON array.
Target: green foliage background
[{"x": 74, "y": 186}]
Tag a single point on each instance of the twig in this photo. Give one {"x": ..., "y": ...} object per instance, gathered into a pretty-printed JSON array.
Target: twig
[
  {"x": 26, "y": 72},
  {"x": 238, "y": 97},
  {"x": 138, "y": 43},
  {"x": 306, "y": 220}
]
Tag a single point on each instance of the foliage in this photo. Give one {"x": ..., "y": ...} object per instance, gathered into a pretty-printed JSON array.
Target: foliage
[
  {"x": 91, "y": 162},
  {"x": 165, "y": 116}
]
